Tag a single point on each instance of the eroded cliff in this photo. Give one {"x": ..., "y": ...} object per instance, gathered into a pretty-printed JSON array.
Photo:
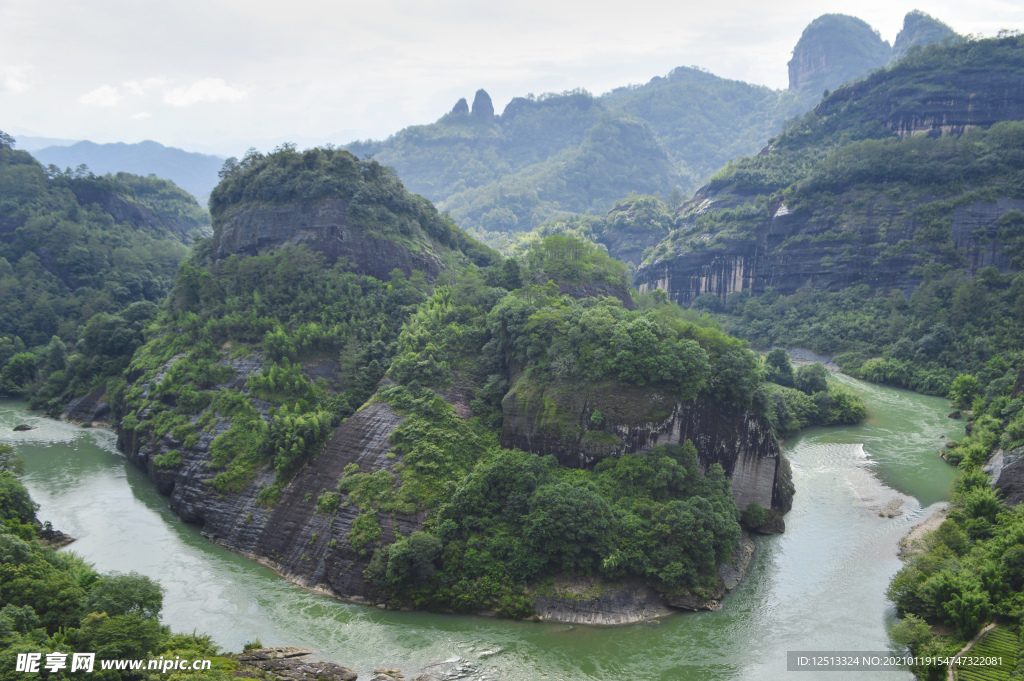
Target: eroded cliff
[{"x": 583, "y": 425}]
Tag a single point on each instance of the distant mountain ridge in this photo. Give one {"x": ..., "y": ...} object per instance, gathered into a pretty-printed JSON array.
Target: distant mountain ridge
[
  {"x": 195, "y": 173},
  {"x": 868, "y": 188},
  {"x": 538, "y": 160}
]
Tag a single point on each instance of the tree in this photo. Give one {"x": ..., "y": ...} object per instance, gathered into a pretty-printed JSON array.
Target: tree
[
  {"x": 778, "y": 368},
  {"x": 811, "y": 379},
  {"x": 131, "y": 594}
]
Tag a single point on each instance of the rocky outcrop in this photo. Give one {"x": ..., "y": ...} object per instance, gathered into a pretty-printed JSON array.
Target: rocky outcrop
[
  {"x": 124, "y": 210},
  {"x": 560, "y": 420},
  {"x": 324, "y": 227},
  {"x": 461, "y": 106},
  {"x": 591, "y": 600},
  {"x": 289, "y": 664},
  {"x": 598, "y": 291},
  {"x": 919, "y": 29},
  {"x": 1008, "y": 476},
  {"x": 482, "y": 106},
  {"x": 833, "y": 49},
  {"x": 792, "y": 250},
  {"x": 88, "y": 408},
  {"x": 307, "y": 547}
]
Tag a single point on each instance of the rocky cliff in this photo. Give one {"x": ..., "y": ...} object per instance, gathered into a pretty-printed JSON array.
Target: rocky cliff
[
  {"x": 788, "y": 251},
  {"x": 560, "y": 420},
  {"x": 307, "y": 547},
  {"x": 864, "y": 190},
  {"x": 919, "y": 29},
  {"x": 833, "y": 49},
  {"x": 325, "y": 228}
]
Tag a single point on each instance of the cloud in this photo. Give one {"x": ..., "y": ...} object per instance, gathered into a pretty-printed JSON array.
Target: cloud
[
  {"x": 141, "y": 116},
  {"x": 206, "y": 90},
  {"x": 140, "y": 89},
  {"x": 14, "y": 80},
  {"x": 104, "y": 95}
]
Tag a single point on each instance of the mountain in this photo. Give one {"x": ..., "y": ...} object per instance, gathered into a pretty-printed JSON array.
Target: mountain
[
  {"x": 808, "y": 208},
  {"x": 833, "y": 49},
  {"x": 919, "y": 29},
  {"x": 83, "y": 261},
  {"x": 195, "y": 173},
  {"x": 570, "y": 153},
  {"x": 347, "y": 387},
  {"x": 30, "y": 143}
]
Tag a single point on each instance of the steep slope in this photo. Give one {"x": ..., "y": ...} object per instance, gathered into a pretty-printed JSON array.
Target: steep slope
[
  {"x": 618, "y": 155},
  {"x": 83, "y": 260},
  {"x": 195, "y": 173},
  {"x": 834, "y": 49},
  {"x": 919, "y": 29},
  {"x": 868, "y": 188},
  {"x": 547, "y": 156},
  {"x": 321, "y": 421}
]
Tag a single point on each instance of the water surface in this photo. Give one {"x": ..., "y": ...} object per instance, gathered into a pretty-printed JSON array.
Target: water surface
[{"x": 819, "y": 586}]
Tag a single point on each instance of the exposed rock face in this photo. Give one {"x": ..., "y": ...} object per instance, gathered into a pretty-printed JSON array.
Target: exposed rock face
[
  {"x": 590, "y": 601},
  {"x": 833, "y": 49},
  {"x": 461, "y": 106},
  {"x": 598, "y": 291},
  {"x": 482, "y": 106},
  {"x": 1009, "y": 478},
  {"x": 289, "y": 664},
  {"x": 136, "y": 215},
  {"x": 919, "y": 29},
  {"x": 559, "y": 420},
  {"x": 791, "y": 250},
  {"x": 936, "y": 101},
  {"x": 88, "y": 408},
  {"x": 310, "y": 549},
  {"x": 323, "y": 227}
]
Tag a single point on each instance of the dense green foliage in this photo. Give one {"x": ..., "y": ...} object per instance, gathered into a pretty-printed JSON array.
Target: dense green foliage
[
  {"x": 374, "y": 197},
  {"x": 501, "y": 518},
  {"x": 971, "y": 569},
  {"x": 807, "y": 397},
  {"x": 573, "y": 152},
  {"x": 78, "y": 279},
  {"x": 56, "y": 602},
  {"x": 272, "y": 307}
]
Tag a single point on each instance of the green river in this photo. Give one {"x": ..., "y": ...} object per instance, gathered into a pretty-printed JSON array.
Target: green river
[{"x": 819, "y": 586}]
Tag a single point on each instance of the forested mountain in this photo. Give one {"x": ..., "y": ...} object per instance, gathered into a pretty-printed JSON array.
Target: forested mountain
[
  {"x": 885, "y": 227},
  {"x": 346, "y": 386},
  {"x": 918, "y": 195},
  {"x": 83, "y": 262},
  {"x": 195, "y": 173},
  {"x": 574, "y": 153}
]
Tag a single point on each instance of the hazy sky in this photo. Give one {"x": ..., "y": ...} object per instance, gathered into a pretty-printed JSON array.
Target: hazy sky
[{"x": 221, "y": 75}]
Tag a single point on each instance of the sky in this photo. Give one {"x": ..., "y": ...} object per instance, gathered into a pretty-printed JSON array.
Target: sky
[{"x": 219, "y": 76}]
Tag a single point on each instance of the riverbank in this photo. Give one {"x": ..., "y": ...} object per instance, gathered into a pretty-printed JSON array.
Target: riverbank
[
  {"x": 819, "y": 586},
  {"x": 593, "y": 601},
  {"x": 912, "y": 543}
]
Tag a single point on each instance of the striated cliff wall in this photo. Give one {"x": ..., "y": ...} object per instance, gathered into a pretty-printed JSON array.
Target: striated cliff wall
[
  {"x": 561, "y": 421},
  {"x": 829, "y": 250},
  {"x": 323, "y": 226},
  {"x": 292, "y": 538}
]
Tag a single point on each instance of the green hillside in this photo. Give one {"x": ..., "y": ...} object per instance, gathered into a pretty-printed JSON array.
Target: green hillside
[{"x": 84, "y": 260}]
